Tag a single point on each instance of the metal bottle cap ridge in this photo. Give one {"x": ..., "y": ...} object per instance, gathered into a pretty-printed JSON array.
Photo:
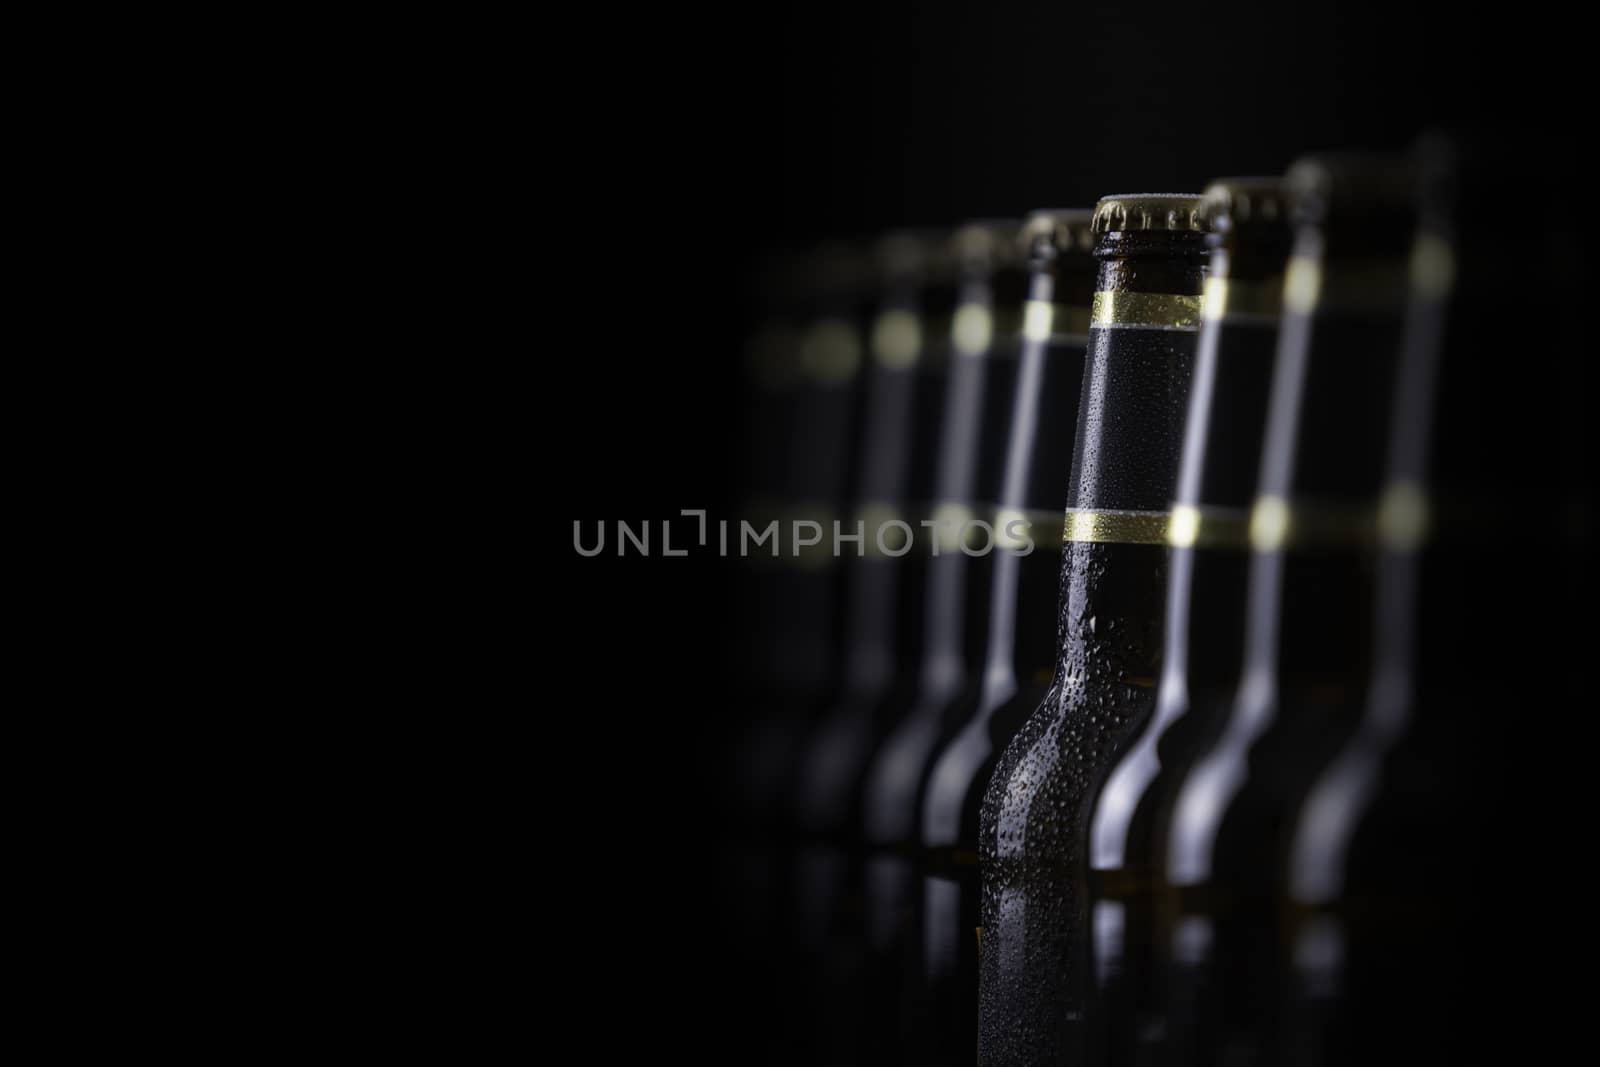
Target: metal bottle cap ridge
[
  {"x": 1150, "y": 212},
  {"x": 1059, "y": 230},
  {"x": 1232, "y": 202}
]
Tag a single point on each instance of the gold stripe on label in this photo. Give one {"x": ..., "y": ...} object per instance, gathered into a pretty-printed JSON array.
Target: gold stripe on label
[
  {"x": 1193, "y": 526},
  {"x": 1116, "y": 527},
  {"x": 975, "y": 329},
  {"x": 1403, "y": 517},
  {"x": 972, "y": 329},
  {"x": 1234, "y": 300},
  {"x": 1277, "y": 524},
  {"x": 1043, "y": 321},
  {"x": 950, "y": 525},
  {"x": 1302, "y": 284},
  {"x": 1433, "y": 267},
  {"x": 1148, "y": 311},
  {"x": 897, "y": 338}
]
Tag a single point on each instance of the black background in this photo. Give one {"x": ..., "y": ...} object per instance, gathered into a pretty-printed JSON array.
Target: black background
[{"x": 671, "y": 151}]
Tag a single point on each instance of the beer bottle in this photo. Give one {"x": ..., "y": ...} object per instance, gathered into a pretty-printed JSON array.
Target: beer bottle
[
  {"x": 818, "y": 449},
  {"x": 1310, "y": 592},
  {"x": 906, "y": 366},
  {"x": 801, "y": 409},
  {"x": 1034, "y": 414},
  {"x": 982, "y": 368},
  {"x": 1338, "y": 800},
  {"x": 1033, "y": 833},
  {"x": 1395, "y": 910},
  {"x": 1205, "y": 609},
  {"x": 802, "y": 373}
]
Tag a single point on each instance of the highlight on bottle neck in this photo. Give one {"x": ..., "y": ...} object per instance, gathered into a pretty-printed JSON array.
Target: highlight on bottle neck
[
  {"x": 1058, "y": 245},
  {"x": 1250, "y": 242},
  {"x": 1350, "y": 300},
  {"x": 990, "y": 265}
]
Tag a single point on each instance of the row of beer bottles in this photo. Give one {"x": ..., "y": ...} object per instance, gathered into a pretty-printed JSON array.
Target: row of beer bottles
[{"x": 1191, "y": 770}]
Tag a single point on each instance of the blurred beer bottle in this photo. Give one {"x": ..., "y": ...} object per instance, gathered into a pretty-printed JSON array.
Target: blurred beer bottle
[
  {"x": 905, "y": 370},
  {"x": 1311, "y": 588},
  {"x": 1034, "y": 416},
  {"x": 1035, "y": 817},
  {"x": 982, "y": 375},
  {"x": 800, "y": 415},
  {"x": 1337, "y": 801},
  {"x": 802, "y": 377},
  {"x": 1205, "y": 608},
  {"x": 1396, "y": 918}
]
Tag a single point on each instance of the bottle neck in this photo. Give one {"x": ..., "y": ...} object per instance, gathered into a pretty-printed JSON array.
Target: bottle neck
[
  {"x": 953, "y": 508},
  {"x": 1002, "y": 367},
  {"x": 1324, "y": 458},
  {"x": 1136, "y": 381},
  {"x": 1125, "y": 457},
  {"x": 1001, "y": 372},
  {"x": 1334, "y": 382},
  {"x": 1042, "y": 416},
  {"x": 1409, "y": 567},
  {"x": 1221, "y": 455},
  {"x": 1044, "y": 402},
  {"x": 906, "y": 360},
  {"x": 1233, "y": 377}
]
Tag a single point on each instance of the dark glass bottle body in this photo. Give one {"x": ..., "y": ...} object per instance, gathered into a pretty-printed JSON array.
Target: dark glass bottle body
[
  {"x": 1034, "y": 817},
  {"x": 1321, "y": 903},
  {"x": 1019, "y": 649},
  {"x": 1203, "y": 635},
  {"x": 802, "y": 414},
  {"x": 904, "y": 378},
  {"x": 1307, "y": 644},
  {"x": 1390, "y": 902},
  {"x": 981, "y": 378},
  {"x": 803, "y": 410}
]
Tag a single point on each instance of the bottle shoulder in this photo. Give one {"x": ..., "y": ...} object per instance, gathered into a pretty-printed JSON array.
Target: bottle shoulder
[
  {"x": 1039, "y": 799},
  {"x": 960, "y": 770}
]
